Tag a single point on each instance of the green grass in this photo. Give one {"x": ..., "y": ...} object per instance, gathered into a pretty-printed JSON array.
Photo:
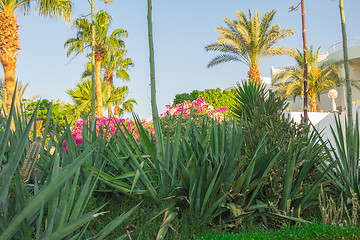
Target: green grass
[
  {"x": 309, "y": 231},
  {"x": 141, "y": 224}
]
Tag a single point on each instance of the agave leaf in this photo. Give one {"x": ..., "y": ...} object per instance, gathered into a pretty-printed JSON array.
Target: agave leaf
[
  {"x": 115, "y": 223},
  {"x": 75, "y": 224},
  {"x": 260, "y": 181},
  {"x": 284, "y": 217},
  {"x": 136, "y": 178},
  {"x": 36, "y": 202},
  {"x": 169, "y": 217},
  {"x": 72, "y": 193},
  {"x": 289, "y": 174},
  {"x": 53, "y": 201},
  {"x": 210, "y": 189},
  {"x": 63, "y": 205},
  {"x": 13, "y": 160}
]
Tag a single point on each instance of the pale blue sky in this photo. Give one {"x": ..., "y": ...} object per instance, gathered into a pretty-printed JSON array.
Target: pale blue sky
[{"x": 181, "y": 31}]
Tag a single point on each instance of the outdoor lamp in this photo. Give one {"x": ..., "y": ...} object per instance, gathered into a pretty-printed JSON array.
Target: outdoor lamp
[{"x": 332, "y": 95}]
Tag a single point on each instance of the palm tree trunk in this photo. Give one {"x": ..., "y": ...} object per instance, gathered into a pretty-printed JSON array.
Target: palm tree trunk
[
  {"x": 9, "y": 78},
  {"x": 108, "y": 93},
  {"x": 254, "y": 74},
  {"x": 350, "y": 129},
  {"x": 9, "y": 45},
  {"x": 117, "y": 109},
  {"x": 99, "y": 104},
  {"x": 314, "y": 104}
]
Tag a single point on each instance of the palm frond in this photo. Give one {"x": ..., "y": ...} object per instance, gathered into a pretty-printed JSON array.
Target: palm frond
[
  {"x": 249, "y": 40},
  {"x": 60, "y": 9}
]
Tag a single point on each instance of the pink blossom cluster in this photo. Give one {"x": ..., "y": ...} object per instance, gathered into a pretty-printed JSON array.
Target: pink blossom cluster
[
  {"x": 109, "y": 126},
  {"x": 200, "y": 107}
]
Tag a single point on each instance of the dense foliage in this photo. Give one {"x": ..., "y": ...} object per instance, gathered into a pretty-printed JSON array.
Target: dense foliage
[
  {"x": 58, "y": 114},
  {"x": 215, "y": 97},
  {"x": 263, "y": 112}
]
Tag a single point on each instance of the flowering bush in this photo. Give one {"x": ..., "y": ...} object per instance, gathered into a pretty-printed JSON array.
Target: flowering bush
[
  {"x": 110, "y": 125},
  {"x": 200, "y": 108},
  {"x": 202, "y": 113},
  {"x": 168, "y": 120}
]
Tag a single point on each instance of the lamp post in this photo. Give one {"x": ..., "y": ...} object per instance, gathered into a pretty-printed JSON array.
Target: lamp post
[{"x": 332, "y": 95}]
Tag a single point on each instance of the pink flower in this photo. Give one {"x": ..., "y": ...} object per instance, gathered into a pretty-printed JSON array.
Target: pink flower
[
  {"x": 109, "y": 127},
  {"x": 199, "y": 107}
]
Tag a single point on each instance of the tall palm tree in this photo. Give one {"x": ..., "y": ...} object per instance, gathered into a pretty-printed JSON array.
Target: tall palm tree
[
  {"x": 320, "y": 77},
  {"x": 114, "y": 64},
  {"x": 103, "y": 43},
  {"x": 9, "y": 36},
  {"x": 250, "y": 41}
]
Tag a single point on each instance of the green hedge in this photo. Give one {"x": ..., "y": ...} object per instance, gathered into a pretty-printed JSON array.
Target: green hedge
[
  {"x": 215, "y": 97},
  {"x": 310, "y": 231}
]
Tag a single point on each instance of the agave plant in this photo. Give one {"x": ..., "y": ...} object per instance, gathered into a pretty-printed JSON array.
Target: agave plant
[
  {"x": 347, "y": 169},
  {"x": 202, "y": 172},
  {"x": 290, "y": 191},
  {"x": 344, "y": 174},
  {"x": 46, "y": 201}
]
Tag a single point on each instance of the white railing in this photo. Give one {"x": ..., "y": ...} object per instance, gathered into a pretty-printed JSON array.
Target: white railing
[{"x": 338, "y": 46}]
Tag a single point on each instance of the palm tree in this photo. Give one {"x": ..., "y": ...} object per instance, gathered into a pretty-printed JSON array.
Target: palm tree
[
  {"x": 103, "y": 43},
  {"x": 20, "y": 90},
  {"x": 250, "y": 41},
  {"x": 81, "y": 95},
  {"x": 320, "y": 77},
  {"x": 9, "y": 36},
  {"x": 118, "y": 99},
  {"x": 114, "y": 63}
]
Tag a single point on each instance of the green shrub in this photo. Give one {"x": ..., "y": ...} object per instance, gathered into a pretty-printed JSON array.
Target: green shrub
[
  {"x": 294, "y": 178},
  {"x": 215, "y": 97}
]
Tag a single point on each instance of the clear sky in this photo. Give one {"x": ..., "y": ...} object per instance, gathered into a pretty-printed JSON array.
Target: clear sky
[{"x": 181, "y": 31}]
